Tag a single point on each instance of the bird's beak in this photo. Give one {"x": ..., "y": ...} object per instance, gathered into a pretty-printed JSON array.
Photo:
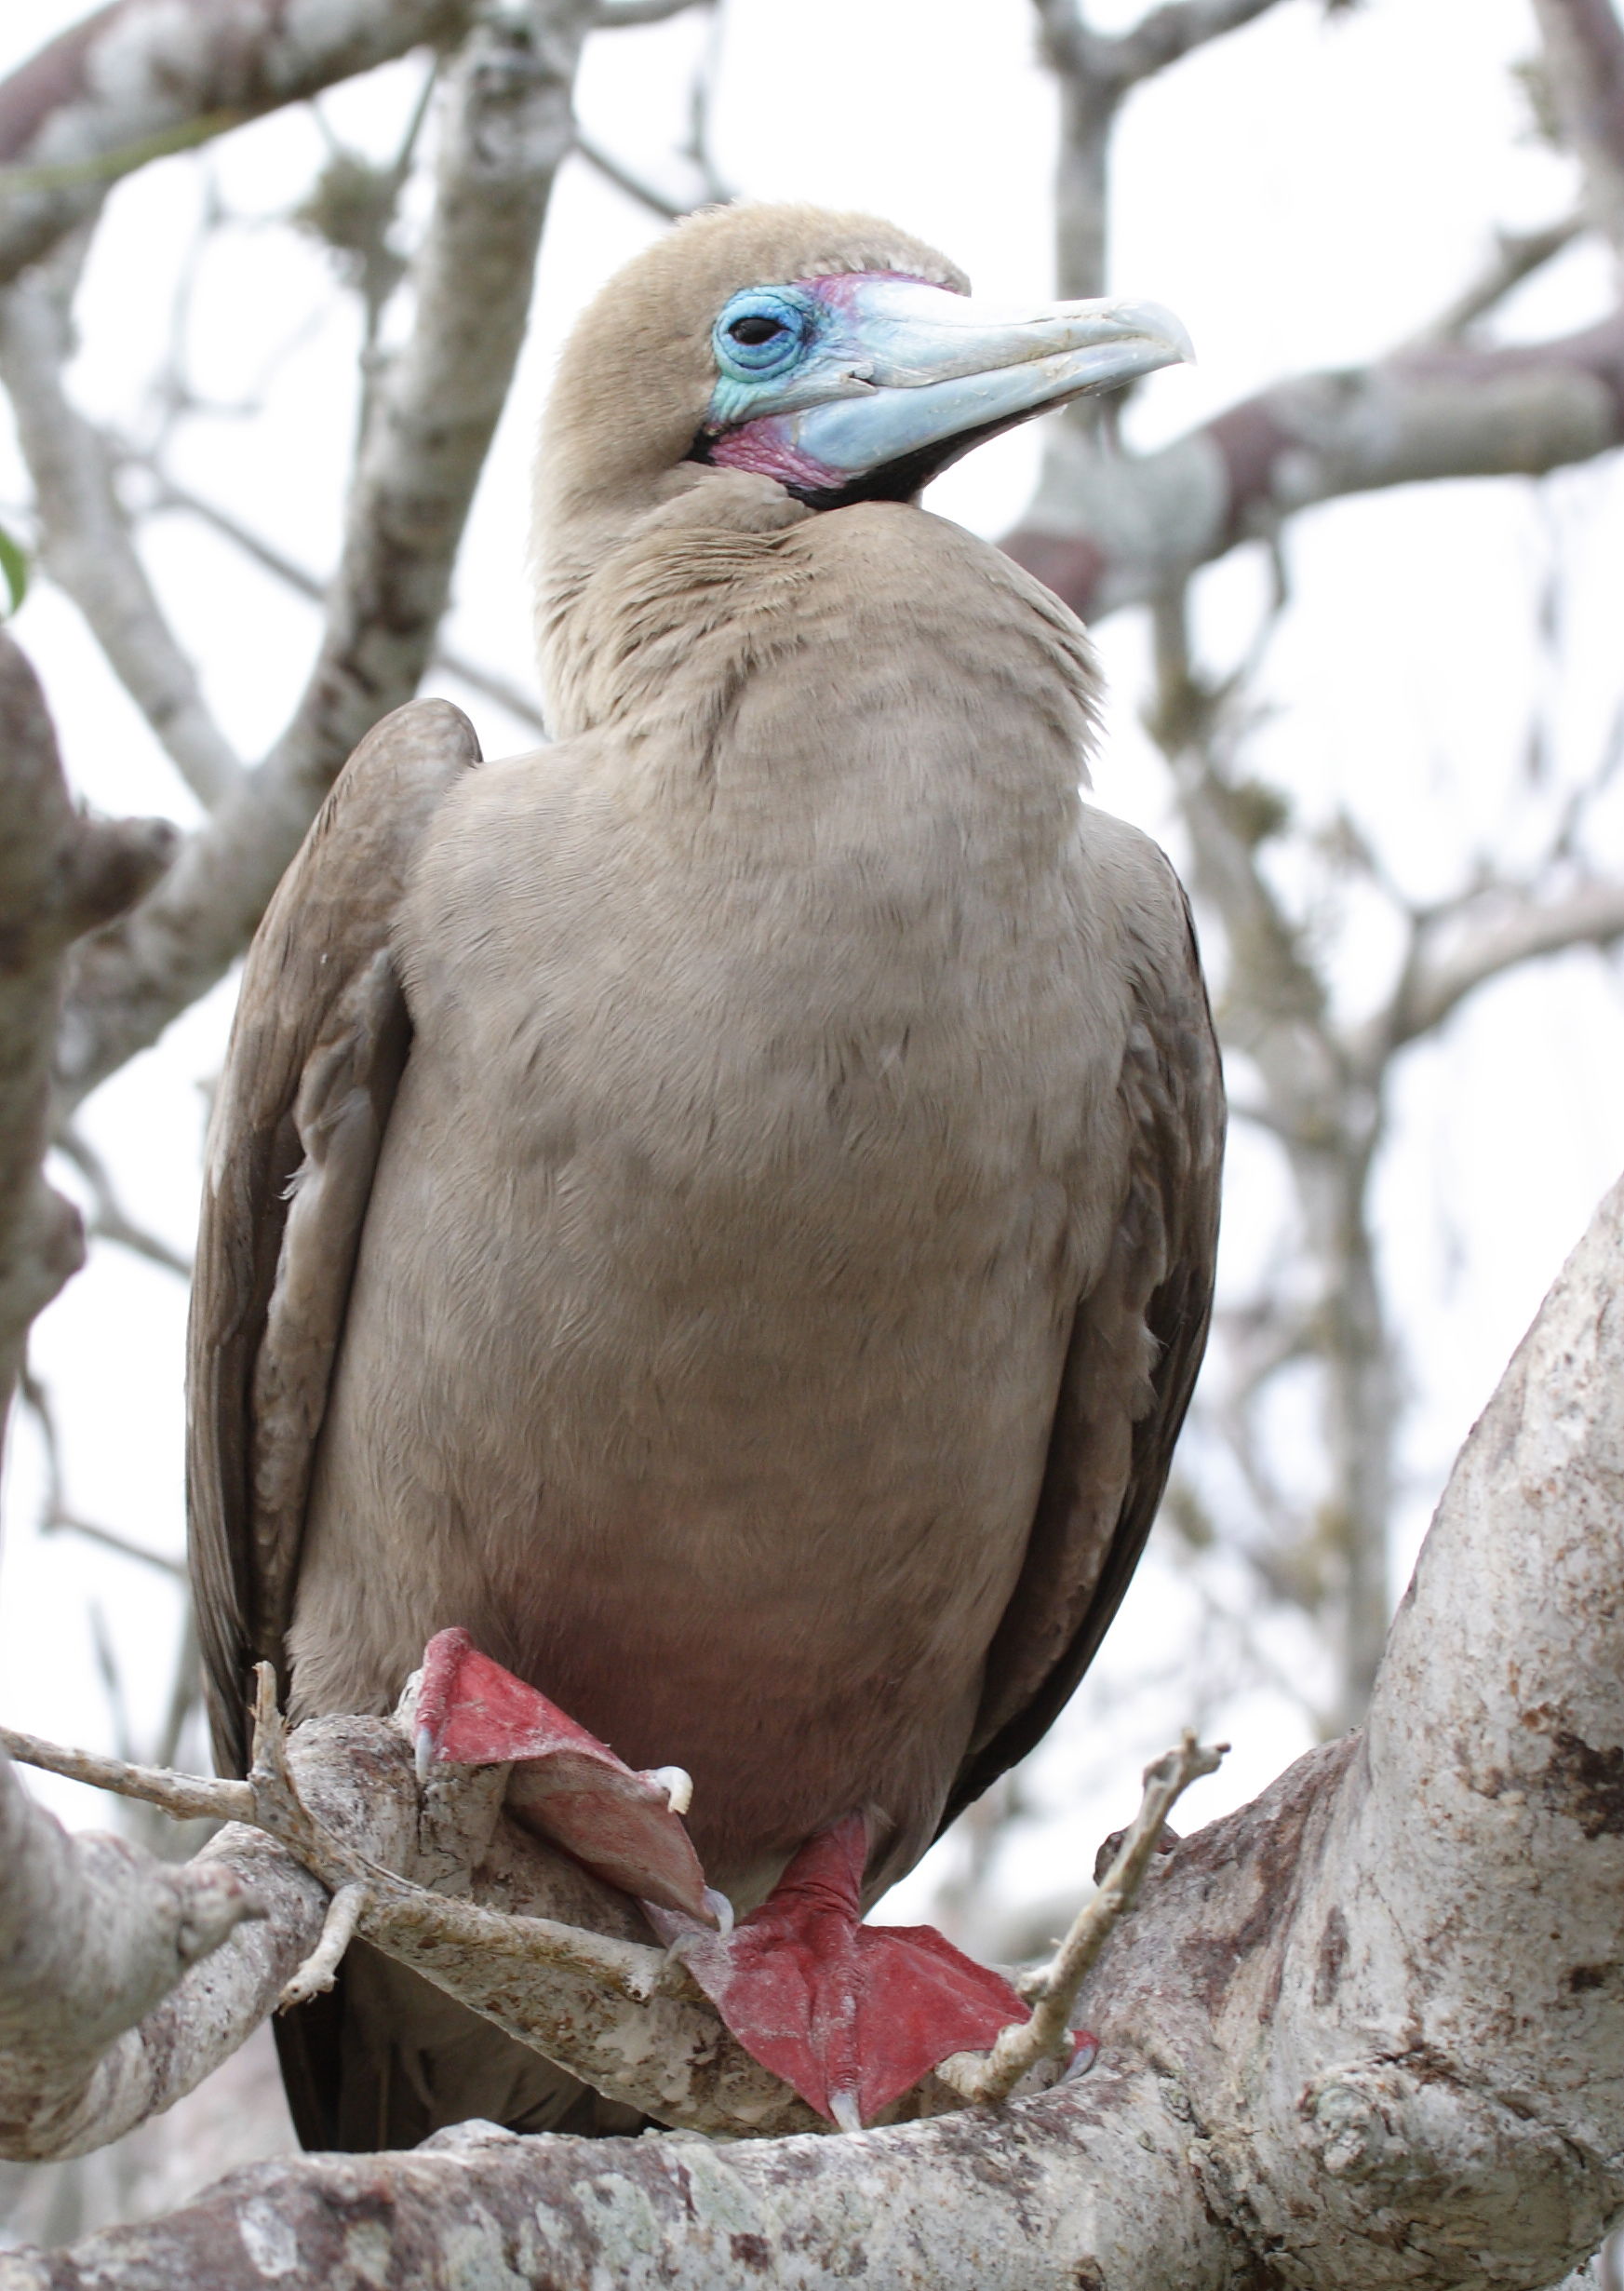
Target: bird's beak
[{"x": 907, "y": 377}]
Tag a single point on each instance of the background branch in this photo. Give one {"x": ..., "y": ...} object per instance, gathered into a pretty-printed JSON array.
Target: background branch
[
  {"x": 1583, "y": 43},
  {"x": 85, "y": 542},
  {"x": 506, "y": 129},
  {"x": 1108, "y": 529},
  {"x": 123, "y": 86},
  {"x": 60, "y": 875}
]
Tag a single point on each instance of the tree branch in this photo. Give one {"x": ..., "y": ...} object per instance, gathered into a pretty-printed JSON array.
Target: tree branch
[
  {"x": 634, "y": 187},
  {"x": 1024, "y": 2044},
  {"x": 1170, "y": 33},
  {"x": 1509, "y": 928},
  {"x": 1584, "y": 55},
  {"x": 85, "y": 542},
  {"x": 109, "y": 1219},
  {"x": 1516, "y": 255},
  {"x": 168, "y": 493},
  {"x": 93, "y": 1933},
  {"x": 60, "y": 875},
  {"x": 506, "y": 129},
  {"x": 1362, "y": 2035},
  {"x": 564, "y": 1965},
  {"x": 1105, "y": 529},
  {"x": 140, "y": 77},
  {"x": 1014, "y": 2202},
  {"x": 625, "y": 15}
]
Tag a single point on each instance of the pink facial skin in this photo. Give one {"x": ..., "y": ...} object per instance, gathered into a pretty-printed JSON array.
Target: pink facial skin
[{"x": 764, "y": 448}]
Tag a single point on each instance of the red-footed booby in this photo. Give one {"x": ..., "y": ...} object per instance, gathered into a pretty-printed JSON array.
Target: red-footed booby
[{"x": 720, "y": 1209}]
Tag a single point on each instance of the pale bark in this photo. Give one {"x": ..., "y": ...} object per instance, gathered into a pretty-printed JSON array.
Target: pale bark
[
  {"x": 143, "y": 76},
  {"x": 94, "y": 1934},
  {"x": 86, "y": 543},
  {"x": 506, "y": 129},
  {"x": 60, "y": 875},
  {"x": 1107, "y": 530},
  {"x": 1367, "y": 2034},
  {"x": 1321, "y": 1086},
  {"x": 445, "y": 1886},
  {"x": 1583, "y": 44}
]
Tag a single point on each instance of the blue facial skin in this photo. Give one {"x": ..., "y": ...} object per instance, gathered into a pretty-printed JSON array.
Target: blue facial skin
[
  {"x": 761, "y": 337},
  {"x": 870, "y": 372}
]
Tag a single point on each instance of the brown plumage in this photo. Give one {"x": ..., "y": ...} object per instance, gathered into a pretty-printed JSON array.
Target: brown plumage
[{"x": 774, "y": 1135}]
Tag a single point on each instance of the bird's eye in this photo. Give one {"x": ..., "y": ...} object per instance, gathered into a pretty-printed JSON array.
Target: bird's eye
[{"x": 762, "y": 332}]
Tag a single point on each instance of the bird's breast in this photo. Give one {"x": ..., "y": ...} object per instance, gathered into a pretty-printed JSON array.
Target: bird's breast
[{"x": 731, "y": 1209}]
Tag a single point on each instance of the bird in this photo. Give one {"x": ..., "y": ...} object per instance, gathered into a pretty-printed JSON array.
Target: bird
[{"x": 719, "y": 1208}]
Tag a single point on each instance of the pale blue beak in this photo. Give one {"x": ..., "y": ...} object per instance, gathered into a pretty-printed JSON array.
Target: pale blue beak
[{"x": 888, "y": 374}]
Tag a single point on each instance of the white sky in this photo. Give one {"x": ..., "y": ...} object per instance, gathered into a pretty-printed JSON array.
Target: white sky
[{"x": 1306, "y": 194}]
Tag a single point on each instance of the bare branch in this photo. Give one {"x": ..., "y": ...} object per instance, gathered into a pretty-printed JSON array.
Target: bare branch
[
  {"x": 319, "y": 1971},
  {"x": 634, "y": 187},
  {"x": 54, "y": 2108},
  {"x": 563, "y": 1966},
  {"x": 142, "y": 77},
  {"x": 1584, "y": 54},
  {"x": 1509, "y": 928},
  {"x": 60, "y": 875},
  {"x": 506, "y": 129},
  {"x": 109, "y": 1219},
  {"x": 1516, "y": 255},
  {"x": 85, "y": 542},
  {"x": 93, "y": 1932},
  {"x": 70, "y": 1523},
  {"x": 55, "y": 1517},
  {"x": 186, "y": 1797},
  {"x": 1107, "y": 530},
  {"x": 1170, "y": 33},
  {"x": 168, "y": 493},
  {"x": 624, "y": 15},
  {"x": 1025, "y": 2044}
]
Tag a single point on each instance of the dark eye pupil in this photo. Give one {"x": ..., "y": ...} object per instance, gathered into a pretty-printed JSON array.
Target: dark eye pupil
[{"x": 752, "y": 331}]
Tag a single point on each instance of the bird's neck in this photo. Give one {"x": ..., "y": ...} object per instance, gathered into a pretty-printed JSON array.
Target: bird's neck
[
  {"x": 643, "y": 606},
  {"x": 790, "y": 665}
]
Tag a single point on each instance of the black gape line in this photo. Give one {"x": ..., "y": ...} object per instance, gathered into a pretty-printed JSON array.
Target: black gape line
[
  {"x": 898, "y": 481},
  {"x": 908, "y": 476}
]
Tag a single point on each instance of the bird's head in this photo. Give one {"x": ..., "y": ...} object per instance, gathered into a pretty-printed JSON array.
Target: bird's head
[{"x": 829, "y": 353}]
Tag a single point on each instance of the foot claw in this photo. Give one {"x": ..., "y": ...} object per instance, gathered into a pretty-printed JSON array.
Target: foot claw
[
  {"x": 677, "y": 1785},
  {"x": 844, "y": 2109},
  {"x": 1087, "y": 2050},
  {"x": 562, "y": 1782},
  {"x": 721, "y": 1909}
]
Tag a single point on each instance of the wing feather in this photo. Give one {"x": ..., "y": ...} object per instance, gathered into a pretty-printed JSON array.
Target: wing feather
[
  {"x": 1135, "y": 1346},
  {"x": 316, "y": 1051}
]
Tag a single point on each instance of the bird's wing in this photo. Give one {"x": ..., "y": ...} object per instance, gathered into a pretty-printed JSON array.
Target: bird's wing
[
  {"x": 316, "y": 1051},
  {"x": 1135, "y": 1345}
]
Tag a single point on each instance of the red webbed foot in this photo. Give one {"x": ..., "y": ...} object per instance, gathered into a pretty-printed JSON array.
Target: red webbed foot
[
  {"x": 852, "y": 2016},
  {"x": 565, "y": 1785}
]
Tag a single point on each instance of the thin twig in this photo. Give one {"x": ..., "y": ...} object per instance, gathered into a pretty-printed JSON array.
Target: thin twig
[
  {"x": 1517, "y": 255},
  {"x": 187, "y": 1797},
  {"x": 167, "y": 494},
  {"x": 106, "y": 167},
  {"x": 109, "y": 1219},
  {"x": 319, "y": 1971},
  {"x": 625, "y": 15},
  {"x": 1025, "y": 2044},
  {"x": 634, "y": 186},
  {"x": 57, "y": 1522}
]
